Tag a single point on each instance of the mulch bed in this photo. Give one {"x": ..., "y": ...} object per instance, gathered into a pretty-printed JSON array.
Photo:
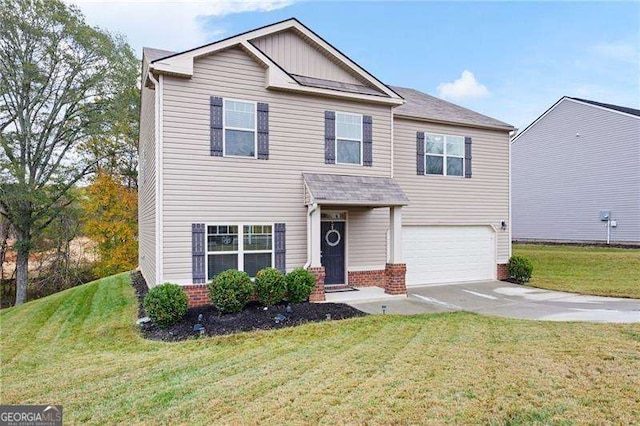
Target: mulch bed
[
  {"x": 511, "y": 280},
  {"x": 253, "y": 317}
]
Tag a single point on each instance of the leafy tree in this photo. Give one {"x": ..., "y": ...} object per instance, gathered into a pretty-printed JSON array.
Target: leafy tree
[
  {"x": 111, "y": 221},
  {"x": 61, "y": 87}
]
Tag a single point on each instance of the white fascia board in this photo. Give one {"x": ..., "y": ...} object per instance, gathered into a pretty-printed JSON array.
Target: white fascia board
[
  {"x": 182, "y": 64},
  {"x": 345, "y": 60}
]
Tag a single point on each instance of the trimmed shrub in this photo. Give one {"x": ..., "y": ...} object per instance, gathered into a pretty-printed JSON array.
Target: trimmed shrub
[
  {"x": 230, "y": 290},
  {"x": 271, "y": 286},
  {"x": 300, "y": 284},
  {"x": 166, "y": 304},
  {"x": 520, "y": 269}
]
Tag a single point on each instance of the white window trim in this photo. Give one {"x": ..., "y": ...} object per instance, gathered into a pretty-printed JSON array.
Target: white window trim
[
  {"x": 335, "y": 154},
  {"x": 444, "y": 155},
  {"x": 240, "y": 252},
  {"x": 225, "y": 128}
]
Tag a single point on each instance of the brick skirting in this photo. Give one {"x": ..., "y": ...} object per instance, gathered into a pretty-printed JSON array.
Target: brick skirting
[
  {"x": 198, "y": 294},
  {"x": 318, "y": 293},
  {"x": 503, "y": 271},
  {"x": 374, "y": 278},
  {"x": 395, "y": 278}
]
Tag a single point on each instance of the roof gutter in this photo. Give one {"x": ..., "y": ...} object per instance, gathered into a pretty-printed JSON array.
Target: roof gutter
[{"x": 457, "y": 123}]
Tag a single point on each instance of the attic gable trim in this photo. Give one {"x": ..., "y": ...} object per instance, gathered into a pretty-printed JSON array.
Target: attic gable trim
[
  {"x": 181, "y": 64},
  {"x": 558, "y": 102}
]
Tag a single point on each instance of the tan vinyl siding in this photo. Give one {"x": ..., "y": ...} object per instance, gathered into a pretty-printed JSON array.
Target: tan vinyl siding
[
  {"x": 367, "y": 238},
  {"x": 298, "y": 56},
  {"x": 199, "y": 188},
  {"x": 147, "y": 188},
  {"x": 440, "y": 200}
]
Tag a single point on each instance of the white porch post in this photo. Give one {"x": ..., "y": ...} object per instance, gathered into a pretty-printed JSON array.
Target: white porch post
[
  {"x": 315, "y": 238},
  {"x": 395, "y": 234}
]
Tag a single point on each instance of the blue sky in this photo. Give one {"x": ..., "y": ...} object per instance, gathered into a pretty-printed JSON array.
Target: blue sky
[{"x": 505, "y": 59}]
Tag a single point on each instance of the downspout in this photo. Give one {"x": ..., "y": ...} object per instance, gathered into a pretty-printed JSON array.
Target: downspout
[{"x": 310, "y": 209}]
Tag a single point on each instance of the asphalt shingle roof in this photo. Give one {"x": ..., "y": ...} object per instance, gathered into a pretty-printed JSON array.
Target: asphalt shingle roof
[
  {"x": 421, "y": 105},
  {"x": 154, "y": 54},
  {"x": 354, "y": 190},
  {"x": 627, "y": 110}
]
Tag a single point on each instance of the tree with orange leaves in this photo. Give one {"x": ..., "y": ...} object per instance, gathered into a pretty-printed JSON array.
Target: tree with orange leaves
[{"x": 111, "y": 221}]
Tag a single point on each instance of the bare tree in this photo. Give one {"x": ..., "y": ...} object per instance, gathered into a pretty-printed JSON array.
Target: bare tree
[{"x": 59, "y": 88}]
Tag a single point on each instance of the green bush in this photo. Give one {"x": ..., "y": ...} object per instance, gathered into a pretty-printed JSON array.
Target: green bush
[
  {"x": 271, "y": 286},
  {"x": 520, "y": 269},
  {"x": 300, "y": 284},
  {"x": 166, "y": 304},
  {"x": 230, "y": 290}
]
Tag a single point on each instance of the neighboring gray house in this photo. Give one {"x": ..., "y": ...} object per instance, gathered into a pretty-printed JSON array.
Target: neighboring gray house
[
  {"x": 273, "y": 148},
  {"x": 578, "y": 159}
]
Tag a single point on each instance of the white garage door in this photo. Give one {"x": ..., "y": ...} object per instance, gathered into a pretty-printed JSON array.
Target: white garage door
[{"x": 444, "y": 254}]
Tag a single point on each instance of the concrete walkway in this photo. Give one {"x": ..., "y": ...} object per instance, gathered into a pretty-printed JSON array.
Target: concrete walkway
[{"x": 506, "y": 300}]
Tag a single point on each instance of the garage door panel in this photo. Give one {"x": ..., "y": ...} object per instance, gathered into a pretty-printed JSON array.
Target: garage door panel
[{"x": 439, "y": 254}]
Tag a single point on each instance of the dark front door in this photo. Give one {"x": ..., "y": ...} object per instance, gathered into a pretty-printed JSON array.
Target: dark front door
[{"x": 333, "y": 243}]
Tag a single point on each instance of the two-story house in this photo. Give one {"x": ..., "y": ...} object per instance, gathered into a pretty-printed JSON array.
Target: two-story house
[{"x": 273, "y": 148}]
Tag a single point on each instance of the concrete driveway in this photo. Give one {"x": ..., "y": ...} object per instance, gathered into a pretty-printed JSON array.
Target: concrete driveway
[{"x": 502, "y": 299}]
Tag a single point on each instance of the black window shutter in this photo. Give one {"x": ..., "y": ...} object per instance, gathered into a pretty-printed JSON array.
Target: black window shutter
[
  {"x": 280, "y": 247},
  {"x": 367, "y": 140},
  {"x": 329, "y": 137},
  {"x": 216, "y": 126},
  {"x": 467, "y": 157},
  {"x": 198, "y": 253},
  {"x": 420, "y": 153},
  {"x": 263, "y": 131}
]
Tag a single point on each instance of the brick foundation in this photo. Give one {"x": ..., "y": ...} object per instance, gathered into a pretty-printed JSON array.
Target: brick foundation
[
  {"x": 367, "y": 278},
  {"x": 395, "y": 274},
  {"x": 318, "y": 293},
  {"x": 503, "y": 271},
  {"x": 198, "y": 294}
]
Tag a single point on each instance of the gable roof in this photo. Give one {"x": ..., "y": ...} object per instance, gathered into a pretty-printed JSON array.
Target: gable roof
[
  {"x": 630, "y": 112},
  {"x": 409, "y": 103},
  {"x": 626, "y": 110},
  {"x": 422, "y": 106},
  {"x": 181, "y": 63}
]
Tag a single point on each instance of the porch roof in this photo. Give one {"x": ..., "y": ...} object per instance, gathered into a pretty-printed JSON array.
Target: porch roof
[{"x": 346, "y": 190}]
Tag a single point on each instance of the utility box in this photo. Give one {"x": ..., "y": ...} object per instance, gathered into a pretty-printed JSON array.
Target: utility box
[{"x": 605, "y": 215}]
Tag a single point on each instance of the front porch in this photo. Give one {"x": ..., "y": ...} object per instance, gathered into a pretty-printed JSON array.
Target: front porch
[{"x": 340, "y": 223}]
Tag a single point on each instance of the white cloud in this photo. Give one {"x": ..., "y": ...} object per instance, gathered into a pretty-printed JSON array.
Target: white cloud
[
  {"x": 168, "y": 24},
  {"x": 621, "y": 50},
  {"x": 463, "y": 88}
]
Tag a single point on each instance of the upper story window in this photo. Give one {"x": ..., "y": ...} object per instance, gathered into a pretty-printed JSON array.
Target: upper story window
[
  {"x": 348, "y": 138},
  {"x": 444, "y": 155},
  {"x": 240, "y": 135}
]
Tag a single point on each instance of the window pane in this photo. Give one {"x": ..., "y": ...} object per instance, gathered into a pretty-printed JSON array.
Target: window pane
[
  {"x": 257, "y": 237},
  {"x": 253, "y": 262},
  {"x": 239, "y": 114},
  {"x": 348, "y": 152},
  {"x": 238, "y": 142},
  {"x": 348, "y": 126},
  {"x": 454, "y": 166},
  {"x": 221, "y": 262},
  {"x": 434, "y": 165},
  {"x": 435, "y": 144},
  {"x": 455, "y": 146},
  {"x": 222, "y": 238}
]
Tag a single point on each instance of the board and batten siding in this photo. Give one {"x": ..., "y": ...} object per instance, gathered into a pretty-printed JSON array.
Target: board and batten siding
[
  {"x": 147, "y": 188},
  {"x": 574, "y": 162},
  {"x": 200, "y": 188},
  {"x": 482, "y": 199},
  {"x": 298, "y": 56}
]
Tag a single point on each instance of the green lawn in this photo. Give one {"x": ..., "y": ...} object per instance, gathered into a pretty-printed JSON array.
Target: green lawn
[
  {"x": 80, "y": 348},
  {"x": 602, "y": 271}
]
